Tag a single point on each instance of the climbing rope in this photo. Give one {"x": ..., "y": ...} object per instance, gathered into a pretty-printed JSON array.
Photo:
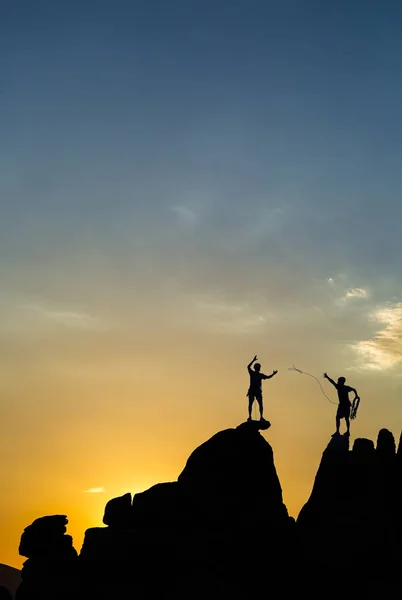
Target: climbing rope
[{"x": 293, "y": 368}]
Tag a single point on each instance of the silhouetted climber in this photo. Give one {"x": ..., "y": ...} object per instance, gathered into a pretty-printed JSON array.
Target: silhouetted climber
[
  {"x": 255, "y": 390},
  {"x": 345, "y": 406}
]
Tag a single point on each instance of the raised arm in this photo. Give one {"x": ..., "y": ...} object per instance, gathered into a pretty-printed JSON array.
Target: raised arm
[
  {"x": 251, "y": 363},
  {"x": 330, "y": 380}
]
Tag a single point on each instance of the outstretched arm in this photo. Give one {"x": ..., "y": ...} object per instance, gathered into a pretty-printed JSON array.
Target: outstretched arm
[
  {"x": 269, "y": 376},
  {"x": 251, "y": 363},
  {"x": 330, "y": 380}
]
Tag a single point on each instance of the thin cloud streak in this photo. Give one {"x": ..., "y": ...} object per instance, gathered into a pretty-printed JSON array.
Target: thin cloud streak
[
  {"x": 220, "y": 315},
  {"x": 185, "y": 215},
  {"x": 65, "y": 317}
]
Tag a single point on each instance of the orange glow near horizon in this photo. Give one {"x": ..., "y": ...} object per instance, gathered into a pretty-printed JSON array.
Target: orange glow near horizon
[{"x": 112, "y": 429}]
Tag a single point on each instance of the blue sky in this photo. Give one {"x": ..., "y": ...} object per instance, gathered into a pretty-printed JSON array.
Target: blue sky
[
  {"x": 207, "y": 105},
  {"x": 230, "y": 149}
]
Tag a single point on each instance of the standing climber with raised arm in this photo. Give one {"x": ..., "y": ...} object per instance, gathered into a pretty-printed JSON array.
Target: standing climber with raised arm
[
  {"x": 345, "y": 406},
  {"x": 255, "y": 389}
]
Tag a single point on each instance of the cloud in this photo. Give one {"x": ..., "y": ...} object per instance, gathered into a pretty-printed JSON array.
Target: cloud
[
  {"x": 255, "y": 229},
  {"x": 384, "y": 351},
  {"x": 343, "y": 293},
  {"x": 356, "y": 293},
  {"x": 95, "y": 490},
  {"x": 185, "y": 215},
  {"x": 221, "y": 315},
  {"x": 65, "y": 317},
  {"x": 22, "y": 314}
]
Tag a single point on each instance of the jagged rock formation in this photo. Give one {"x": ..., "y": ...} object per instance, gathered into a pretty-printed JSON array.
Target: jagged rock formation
[
  {"x": 202, "y": 532},
  {"x": 222, "y": 529},
  {"x": 226, "y": 481},
  {"x": 51, "y": 568},
  {"x": 352, "y": 517}
]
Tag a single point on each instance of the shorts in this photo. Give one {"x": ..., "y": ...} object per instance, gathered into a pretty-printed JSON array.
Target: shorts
[
  {"x": 343, "y": 411},
  {"x": 254, "y": 394}
]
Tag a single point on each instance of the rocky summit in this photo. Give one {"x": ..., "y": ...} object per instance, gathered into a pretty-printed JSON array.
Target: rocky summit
[{"x": 221, "y": 529}]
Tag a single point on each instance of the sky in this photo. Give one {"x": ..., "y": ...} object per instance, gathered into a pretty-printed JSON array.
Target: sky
[{"x": 184, "y": 184}]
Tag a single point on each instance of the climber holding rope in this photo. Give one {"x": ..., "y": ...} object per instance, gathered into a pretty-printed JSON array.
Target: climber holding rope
[{"x": 346, "y": 409}]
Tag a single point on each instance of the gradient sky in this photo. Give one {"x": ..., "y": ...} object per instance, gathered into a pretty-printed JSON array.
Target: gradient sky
[{"x": 184, "y": 184}]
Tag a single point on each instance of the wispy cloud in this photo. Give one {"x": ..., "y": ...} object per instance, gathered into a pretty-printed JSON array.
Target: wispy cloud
[
  {"x": 27, "y": 314},
  {"x": 95, "y": 490},
  {"x": 185, "y": 215},
  {"x": 221, "y": 315},
  {"x": 343, "y": 293},
  {"x": 356, "y": 293},
  {"x": 384, "y": 351},
  {"x": 65, "y": 317},
  {"x": 253, "y": 231}
]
